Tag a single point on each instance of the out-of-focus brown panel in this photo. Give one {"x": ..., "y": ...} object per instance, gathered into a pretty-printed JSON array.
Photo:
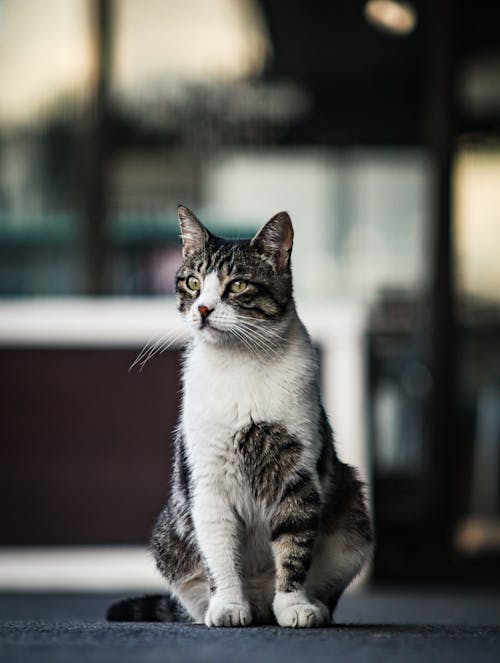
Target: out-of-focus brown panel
[{"x": 85, "y": 445}]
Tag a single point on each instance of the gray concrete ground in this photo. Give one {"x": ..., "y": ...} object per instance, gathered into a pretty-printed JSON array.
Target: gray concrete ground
[{"x": 380, "y": 626}]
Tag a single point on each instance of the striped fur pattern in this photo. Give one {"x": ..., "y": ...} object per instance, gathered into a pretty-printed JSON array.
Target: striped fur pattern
[{"x": 264, "y": 523}]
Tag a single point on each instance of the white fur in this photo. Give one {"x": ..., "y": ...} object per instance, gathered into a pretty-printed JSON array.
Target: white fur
[{"x": 296, "y": 610}]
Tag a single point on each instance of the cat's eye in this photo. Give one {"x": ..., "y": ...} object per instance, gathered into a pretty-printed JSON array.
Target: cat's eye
[
  {"x": 193, "y": 283},
  {"x": 238, "y": 286}
]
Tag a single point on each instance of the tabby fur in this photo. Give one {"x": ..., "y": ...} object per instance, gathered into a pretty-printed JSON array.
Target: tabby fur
[{"x": 264, "y": 524}]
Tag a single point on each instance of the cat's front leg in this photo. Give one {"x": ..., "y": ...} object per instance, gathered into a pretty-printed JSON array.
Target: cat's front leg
[
  {"x": 217, "y": 533},
  {"x": 294, "y": 528}
]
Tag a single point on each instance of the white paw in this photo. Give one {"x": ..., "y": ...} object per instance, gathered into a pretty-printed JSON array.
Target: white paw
[
  {"x": 221, "y": 613},
  {"x": 298, "y": 612}
]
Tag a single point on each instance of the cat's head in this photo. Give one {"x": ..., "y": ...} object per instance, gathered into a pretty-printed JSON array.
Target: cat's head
[{"x": 236, "y": 292}]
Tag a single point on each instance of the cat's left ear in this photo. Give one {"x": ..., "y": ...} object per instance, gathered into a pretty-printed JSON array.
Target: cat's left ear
[
  {"x": 275, "y": 240},
  {"x": 193, "y": 232}
]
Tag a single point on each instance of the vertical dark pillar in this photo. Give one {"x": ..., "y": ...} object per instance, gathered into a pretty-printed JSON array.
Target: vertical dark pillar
[
  {"x": 97, "y": 153},
  {"x": 441, "y": 34}
]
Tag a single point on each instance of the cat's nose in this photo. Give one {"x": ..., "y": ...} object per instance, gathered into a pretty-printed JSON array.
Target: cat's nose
[{"x": 204, "y": 311}]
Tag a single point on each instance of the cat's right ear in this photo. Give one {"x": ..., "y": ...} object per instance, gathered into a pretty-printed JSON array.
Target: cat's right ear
[{"x": 193, "y": 233}]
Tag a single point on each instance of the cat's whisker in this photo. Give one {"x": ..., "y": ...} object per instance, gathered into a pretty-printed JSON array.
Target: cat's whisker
[
  {"x": 260, "y": 332},
  {"x": 155, "y": 350},
  {"x": 255, "y": 349},
  {"x": 265, "y": 347},
  {"x": 244, "y": 341},
  {"x": 160, "y": 348},
  {"x": 256, "y": 335},
  {"x": 260, "y": 335},
  {"x": 151, "y": 343},
  {"x": 149, "y": 356},
  {"x": 168, "y": 344},
  {"x": 260, "y": 327},
  {"x": 147, "y": 346},
  {"x": 157, "y": 346},
  {"x": 258, "y": 323}
]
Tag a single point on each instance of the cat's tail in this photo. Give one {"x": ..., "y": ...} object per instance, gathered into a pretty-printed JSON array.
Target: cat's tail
[{"x": 157, "y": 608}]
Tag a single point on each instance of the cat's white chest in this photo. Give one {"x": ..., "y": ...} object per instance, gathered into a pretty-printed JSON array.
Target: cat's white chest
[
  {"x": 223, "y": 394},
  {"x": 225, "y": 397}
]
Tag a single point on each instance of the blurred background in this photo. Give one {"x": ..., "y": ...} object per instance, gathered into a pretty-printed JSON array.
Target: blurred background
[{"x": 376, "y": 125}]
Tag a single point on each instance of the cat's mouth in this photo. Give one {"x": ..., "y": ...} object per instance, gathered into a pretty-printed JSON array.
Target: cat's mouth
[{"x": 207, "y": 325}]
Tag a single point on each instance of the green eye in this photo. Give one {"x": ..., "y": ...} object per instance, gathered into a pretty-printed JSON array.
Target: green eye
[
  {"x": 193, "y": 283},
  {"x": 238, "y": 286}
]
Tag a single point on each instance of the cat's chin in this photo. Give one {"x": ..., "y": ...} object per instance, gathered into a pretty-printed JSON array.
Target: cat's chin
[{"x": 211, "y": 334}]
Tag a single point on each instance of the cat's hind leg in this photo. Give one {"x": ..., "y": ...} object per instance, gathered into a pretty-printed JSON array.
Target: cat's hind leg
[
  {"x": 343, "y": 546},
  {"x": 179, "y": 560},
  {"x": 193, "y": 594},
  {"x": 337, "y": 560}
]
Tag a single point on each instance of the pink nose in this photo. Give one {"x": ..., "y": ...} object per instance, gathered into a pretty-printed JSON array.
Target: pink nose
[{"x": 204, "y": 311}]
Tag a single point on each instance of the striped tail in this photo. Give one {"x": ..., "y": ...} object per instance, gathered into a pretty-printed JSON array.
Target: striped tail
[{"x": 157, "y": 608}]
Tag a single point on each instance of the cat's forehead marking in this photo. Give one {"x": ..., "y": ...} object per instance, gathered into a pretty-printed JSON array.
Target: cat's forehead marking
[
  {"x": 217, "y": 258},
  {"x": 226, "y": 260}
]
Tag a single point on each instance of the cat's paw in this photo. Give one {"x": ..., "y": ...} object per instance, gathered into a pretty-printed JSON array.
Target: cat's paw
[
  {"x": 301, "y": 615},
  {"x": 298, "y": 612},
  {"x": 223, "y": 613}
]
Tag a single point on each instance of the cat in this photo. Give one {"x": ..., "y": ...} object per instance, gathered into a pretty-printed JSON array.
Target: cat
[{"x": 264, "y": 523}]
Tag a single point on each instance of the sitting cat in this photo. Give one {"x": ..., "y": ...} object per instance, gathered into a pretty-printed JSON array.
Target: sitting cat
[{"x": 264, "y": 523}]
